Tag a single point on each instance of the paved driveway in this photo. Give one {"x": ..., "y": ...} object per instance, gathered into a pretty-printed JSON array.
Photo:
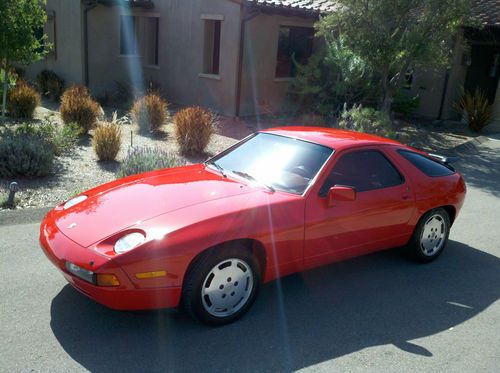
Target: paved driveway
[{"x": 376, "y": 313}]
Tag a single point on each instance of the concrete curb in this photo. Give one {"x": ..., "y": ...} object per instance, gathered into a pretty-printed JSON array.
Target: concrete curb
[
  {"x": 23, "y": 216},
  {"x": 468, "y": 148}
]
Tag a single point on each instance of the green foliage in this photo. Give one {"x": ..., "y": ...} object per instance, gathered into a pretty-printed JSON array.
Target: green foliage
[
  {"x": 19, "y": 23},
  {"x": 64, "y": 137},
  {"x": 11, "y": 81},
  {"x": 475, "y": 109},
  {"x": 392, "y": 36},
  {"x": 333, "y": 77},
  {"x": 50, "y": 84},
  {"x": 78, "y": 107},
  {"x": 367, "y": 120},
  {"x": 143, "y": 159},
  {"x": 23, "y": 101},
  {"x": 405, "y": 104},
  {"x": 25, "y": 154}
]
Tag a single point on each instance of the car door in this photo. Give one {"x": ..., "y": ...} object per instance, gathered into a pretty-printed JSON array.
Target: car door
[{"x": 376, "y": 219}]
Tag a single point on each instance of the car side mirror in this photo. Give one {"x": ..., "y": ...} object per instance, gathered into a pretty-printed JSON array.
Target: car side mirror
[{"x": 340, "y": 193}]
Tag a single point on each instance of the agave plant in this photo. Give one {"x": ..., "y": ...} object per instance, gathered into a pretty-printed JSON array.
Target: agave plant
[{"x": 476, "y": 109}]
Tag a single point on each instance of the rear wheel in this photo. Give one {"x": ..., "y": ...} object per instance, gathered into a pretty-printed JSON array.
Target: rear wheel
[
  {"x": 222, "y": 285},
  {"x": 430, "y": 236}
]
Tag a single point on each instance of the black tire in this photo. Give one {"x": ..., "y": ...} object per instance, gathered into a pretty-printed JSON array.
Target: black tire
[
  {"x": 427, "y": 244},
  {"x": 196, "y": 304}
]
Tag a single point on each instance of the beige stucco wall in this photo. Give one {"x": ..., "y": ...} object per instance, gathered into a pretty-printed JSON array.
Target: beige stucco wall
[
  {"x": 181, "y": 37},
  {"x": 429, "y": 85},
  {"x": 261, "y": 92},
  {"x": 68, "y": 59}
]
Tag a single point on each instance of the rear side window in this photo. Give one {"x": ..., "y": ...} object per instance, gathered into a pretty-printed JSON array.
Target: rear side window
[
  {"x": 428, "y": 166},
  {"x": 363, "y": 171}
]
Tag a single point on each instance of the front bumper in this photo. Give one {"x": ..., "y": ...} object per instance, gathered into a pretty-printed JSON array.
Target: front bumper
[{"x": 60, "y": 249}]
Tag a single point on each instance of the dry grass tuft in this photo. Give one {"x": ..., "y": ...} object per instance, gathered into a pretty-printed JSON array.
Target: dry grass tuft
[
  {"x": 23, "y": 101},
  {"x": 149, "y": 113},
  {"x": 194, "y": 126},
  {"x": 78, "y": 107},
  {"x": 107, "y": 141}
]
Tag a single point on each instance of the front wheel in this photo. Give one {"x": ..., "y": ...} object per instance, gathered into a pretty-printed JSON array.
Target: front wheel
[
  {"x": 430, "y": 236},
  {"x": 221, "y": 286}
]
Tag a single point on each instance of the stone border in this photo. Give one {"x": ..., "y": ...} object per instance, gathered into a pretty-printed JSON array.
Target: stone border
[
  {"x": 468, "y": 148},
  {"x": 23, "y": 216}
]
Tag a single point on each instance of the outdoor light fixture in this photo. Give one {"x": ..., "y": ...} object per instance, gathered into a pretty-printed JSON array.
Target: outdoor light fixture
[{"x": 13, "y": 188}]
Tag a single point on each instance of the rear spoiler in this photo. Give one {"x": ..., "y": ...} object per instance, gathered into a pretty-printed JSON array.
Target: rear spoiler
[{"x": 443, "y": 158}]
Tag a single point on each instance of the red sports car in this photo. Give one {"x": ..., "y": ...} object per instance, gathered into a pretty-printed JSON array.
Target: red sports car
[{"x": 280, "y": 201}]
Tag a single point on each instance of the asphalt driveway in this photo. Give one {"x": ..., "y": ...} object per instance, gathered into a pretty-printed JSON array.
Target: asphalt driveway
[{"x": 377, "y": 313}]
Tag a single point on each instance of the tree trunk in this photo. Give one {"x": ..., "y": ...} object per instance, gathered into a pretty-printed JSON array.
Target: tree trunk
[
  {"x": 5, "y": 87},
  {"x": 385, "y": 102}
]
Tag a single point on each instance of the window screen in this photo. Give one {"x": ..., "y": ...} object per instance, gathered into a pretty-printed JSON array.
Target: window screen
[
  {"x": 363, "y": 171},
  {"x": 428, "y": 166},
  {"x": 294, "y": 43},
  {"x": 211, "y": 53}
]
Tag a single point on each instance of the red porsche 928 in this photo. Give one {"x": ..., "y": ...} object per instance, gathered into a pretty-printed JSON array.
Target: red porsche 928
[{"x": 283, "y": 200}]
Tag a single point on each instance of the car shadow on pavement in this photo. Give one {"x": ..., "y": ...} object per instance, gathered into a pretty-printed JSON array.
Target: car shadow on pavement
[{"x": 299, "y": 321}]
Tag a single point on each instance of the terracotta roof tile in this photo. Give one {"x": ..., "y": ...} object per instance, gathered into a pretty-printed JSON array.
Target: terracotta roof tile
[
  {"x": 315, "y": 6},
  {"x": 487, "y": 12}
]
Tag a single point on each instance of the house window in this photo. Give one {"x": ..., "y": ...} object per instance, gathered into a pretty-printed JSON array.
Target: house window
[
  {"x": 211, "y": 53},
  {"x": 295, "y": 44},
  {"x": 139, "y": 36}
]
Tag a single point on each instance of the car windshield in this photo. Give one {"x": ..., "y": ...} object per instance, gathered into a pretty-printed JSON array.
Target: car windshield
[{"x": 276, "y": 162}]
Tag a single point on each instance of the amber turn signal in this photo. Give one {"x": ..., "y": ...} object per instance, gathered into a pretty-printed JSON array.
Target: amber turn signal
[
  {"x": 104, "y": 279},
  {"x": 143, "y": 275}
]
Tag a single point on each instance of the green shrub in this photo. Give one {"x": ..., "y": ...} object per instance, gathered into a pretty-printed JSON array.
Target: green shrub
[
  {"x": 106, "y": 141},
  {"x": 25, "y": 154},
  {"x": 78, "y": 107},
  {"x": 11, "y": 77},
  {"x": 366, "y": 120},
  {"x": 65, "y": 137},
  {"x": 332, "y": 77},
  {"x": 50, "y": 84},
  {"x": 149, "y": 113},
  {"x": 144, "y": 159},
  {"x": 405, "y": 104},
  {"x": 62, "y": 138},
  {"x": 194, "y": 126},
  {"x": 475, "y": 109},
  {"x": 22, "y": 101}
]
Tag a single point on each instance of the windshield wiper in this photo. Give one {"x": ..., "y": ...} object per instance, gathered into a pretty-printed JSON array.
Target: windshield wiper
[
  {"x": 251, "y": 178},
  {"x": 217, "y": 166}
]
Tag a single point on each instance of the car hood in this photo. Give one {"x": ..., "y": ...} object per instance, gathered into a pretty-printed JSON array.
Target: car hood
[{"x": 123, "y": 203}]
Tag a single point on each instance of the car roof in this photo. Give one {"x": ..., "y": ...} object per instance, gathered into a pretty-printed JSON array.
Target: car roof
[{"x": 334, "y": 138}]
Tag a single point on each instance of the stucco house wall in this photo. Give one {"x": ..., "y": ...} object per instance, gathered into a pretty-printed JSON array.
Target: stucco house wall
[
  {"x": 67, "y": 60},
  {"x": 431, "y": 84},
  {"x": 261, "y": 91},
  {"x": 180, "y": 59}
]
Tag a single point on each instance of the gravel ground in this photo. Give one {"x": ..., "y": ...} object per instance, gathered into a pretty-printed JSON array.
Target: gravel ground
[{"x": 80, "y": 170}]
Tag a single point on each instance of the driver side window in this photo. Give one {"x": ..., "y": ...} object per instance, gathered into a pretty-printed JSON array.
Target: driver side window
[{"x": 362, "y": 170}]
